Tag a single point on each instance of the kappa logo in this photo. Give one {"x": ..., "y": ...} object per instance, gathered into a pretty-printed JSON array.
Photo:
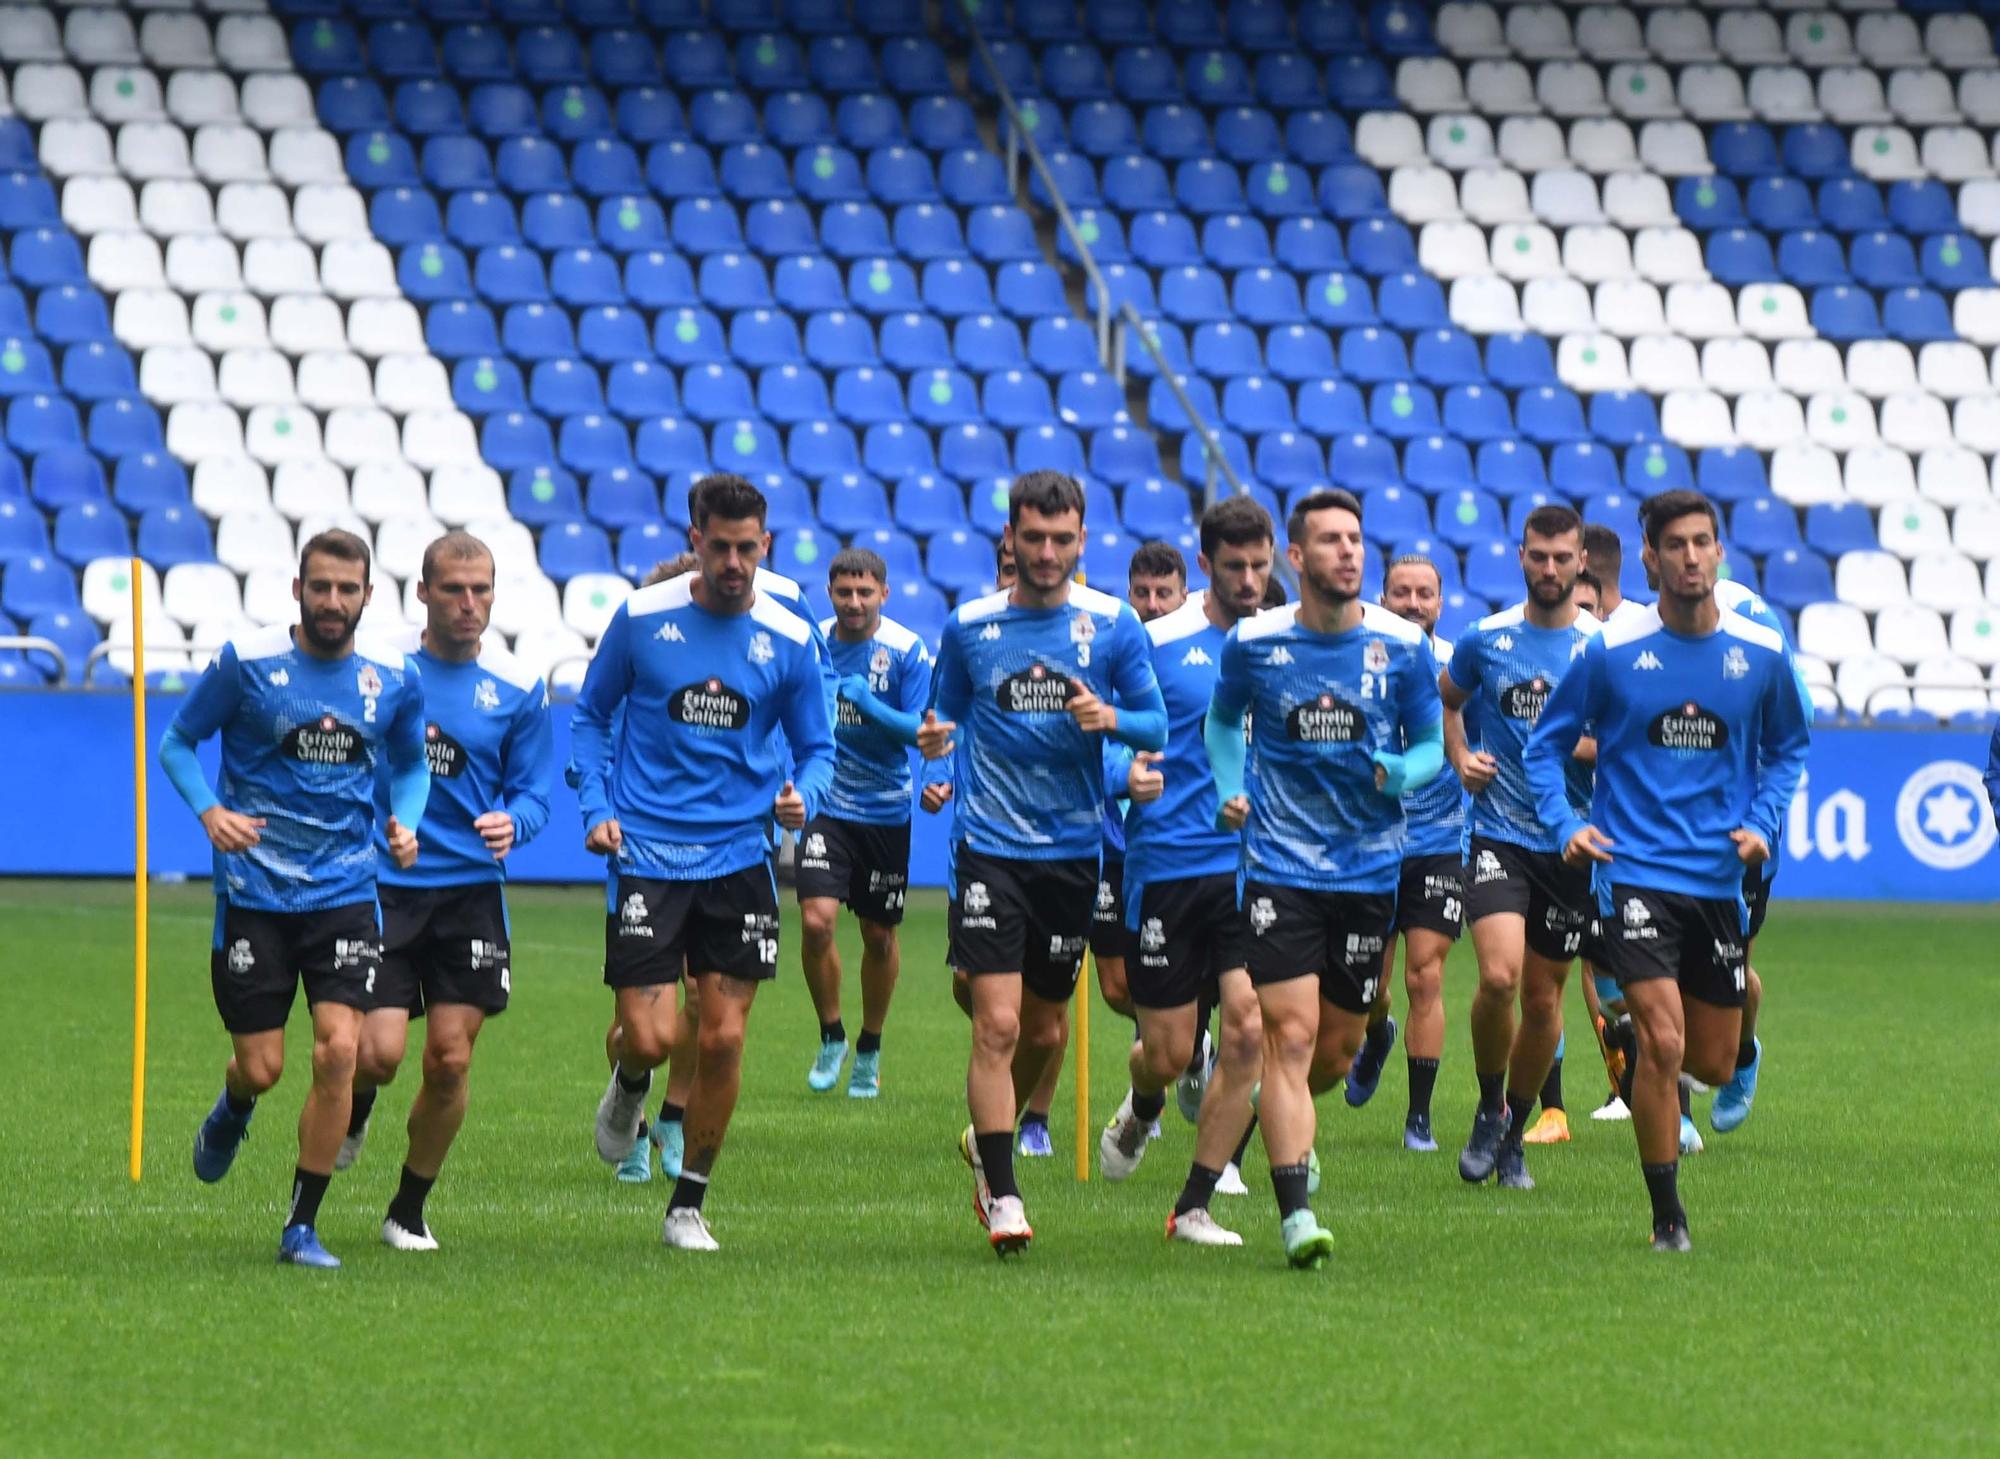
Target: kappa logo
[
  {"x": 670, "y": 632},
  {"x": 1152, "y": 936},
  {"x": 241, "y": 958},
  {"x": 761, "y": 651},
  {"x": 1196, "y": 656},
  {"x": 1505, "y": 643},
  {"x": 1576, "y": 650},
  {"x": 280, "y": 679},
  {"x": 990, "y": 633},
  {"x": 1648, "y": 661},
  {"x": 1280, "y": 655},
  {"x": 1735, "y": 663},
  {"x": 1262, "y": 916},
  {"x": 1486, "y": 867},
  {"x": 486, "y": 695},
  {"x": 976, "y": 897}
]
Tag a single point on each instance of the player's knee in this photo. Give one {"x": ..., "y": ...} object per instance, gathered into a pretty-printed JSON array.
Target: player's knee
[
  {"x": 998, "y": 1030},
  {"x": 644, "y": 1043},
  {"x": 1424, "y": 982},
  {"x": 447, "y": 1065},
  {"x": 1166, "y": 1055},
  {"x": 816, "y": 919},
  {"x": 260, "y": 1072},
  {"x": 1541, "y": 999},
  {"x": 1241, "y": 1045},
  {"x": 720, "y": 1046},
  {"x": 376, "y": 1064},
  {"x": 1660, "y": 1043},
  {"x": 1500, "y": 980},
  {"x": 1288, "y": 1040},
  {"x": 878, "y": 941},
  {"x": 335, "y": 1056}
]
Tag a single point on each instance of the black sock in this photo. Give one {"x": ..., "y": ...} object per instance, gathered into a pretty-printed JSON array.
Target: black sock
[
  {"x": 238, "y": 1106},
  {"x": 1423, "y": 1079},
  {"x": 688, "y": 1191},
  {"x": 631, "y": 1085},
  {"x": 1243, "y": 1145},
  {"x": 833, "y": 1033},
  {"x": 307, "y": 1189},
  {"x": 1552, "y": 1087},
  {"x": 1518, "y": 1106},
  {"x": 868, "y": 1043},
  {"x": 1662, "y": 1184},
  {"x": 1289, "y": 1181},
  {"x": 1148, "y": 1106},
  {"x": 363, "y": 1106},
  {"x": 1687, "y": 1102},
  {"x": 1746, "y": 1054},
  {"x": 1378, "y": 1034},
  {"x": 670, "y": 1113},
  {"x": 1034, "y": 1117},
  {"x": 407, "y": 1209},
  {"x": 1491, "y": 1100},
  {"x": 1200, "y": 1186},
  {"x": 996, "y": 1158}
]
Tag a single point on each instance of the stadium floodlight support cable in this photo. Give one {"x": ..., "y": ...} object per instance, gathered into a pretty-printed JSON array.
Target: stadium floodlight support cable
[
  {"x": 1020, "y": 138},
  {"x": 139, "y": 902}
]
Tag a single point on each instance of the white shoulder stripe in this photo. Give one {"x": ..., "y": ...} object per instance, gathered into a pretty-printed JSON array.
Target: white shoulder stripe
[
  {"x": 503, "y": 666},
  {"x": 673, "y": 593},
  {"x": 1505, "y": 618},
  {"x": 974, "y": 609},
  {"x": 1377, "y": 619},
  {"x": 778, "y": 585},
  {"x": 1094, "y": 600},
  {"x": 898, "y": 638},
  {"x": 263, "y": 643},
  {"x": 1750, "y": 631},
  {"x": 1184, "y": 622},
  {"x": 1268, "y": 622},
  {"x": 774, "y": 614},
  {"x": 1630, "y": 630}
]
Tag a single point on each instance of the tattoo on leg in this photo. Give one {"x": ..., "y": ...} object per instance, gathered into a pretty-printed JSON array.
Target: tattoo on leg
[
  {"x": 701, "y": 1158},
  {"x": 735, "y": 987}
]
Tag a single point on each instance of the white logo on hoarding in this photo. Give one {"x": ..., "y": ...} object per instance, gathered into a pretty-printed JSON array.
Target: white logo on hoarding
[{"x": 1941, "y": 816}]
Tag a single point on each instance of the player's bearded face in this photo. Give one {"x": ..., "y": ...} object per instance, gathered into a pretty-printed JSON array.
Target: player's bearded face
[
  {"x": 1412, "y": 594},
  {"x": 1689, "y": 557},
  {"x": 730, "y": 551},
  {"x": 1550, "y": 565},
  {"x": 1328, "y": 560},
  {"x": 331, "y": 596},
  {"x": 1238, "y": 576},
  {"x": 857, "y": 602},
  {"x": 1046, "y": 549}
]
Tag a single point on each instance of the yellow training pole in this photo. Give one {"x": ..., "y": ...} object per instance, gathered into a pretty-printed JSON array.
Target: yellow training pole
[
  {"x": 1079, "y": 1043},
  {"x": 138, "y": 870}
]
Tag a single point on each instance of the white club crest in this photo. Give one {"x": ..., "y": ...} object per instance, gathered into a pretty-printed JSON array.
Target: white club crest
[
  {"x": 1735, "y": 663},
  {"x": 1082, "y": 628},
  {"x": 486, "y": 695},
  {"x": 1375, "y": 657},
  {"x": 976, "y": 899},
  {"x": 241, "y": 959},
  {"x": 634, "y": 909},
  {"x": 761, "y": 651},
  {"x": 878, "y": 663},
  {"x": 1262, "y": 915},
  {"x": 1635, "y": 913},
  {"x": 368, "y": 682},
  {"x": 1152, "y": 936}
]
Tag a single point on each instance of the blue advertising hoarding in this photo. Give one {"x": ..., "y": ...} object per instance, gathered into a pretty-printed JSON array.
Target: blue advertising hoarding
[{"x": 1884, "y": 815}]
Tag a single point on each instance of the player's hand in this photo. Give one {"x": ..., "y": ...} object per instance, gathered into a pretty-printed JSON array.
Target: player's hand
[
  {"x": 402, "y": 844},
  {"x": 1235, "y": 811},
  {"x": 790, "y": 808},
  {"x": 854, "y": 688},
  {"x": 934, "y": 739},
  {"x": 1381, "y": 777},
  {"x": 1144, "y": 782},
  {"x": 1476, "y": 770},
  {"x": 604, "y": 839},
  {"x": 227, "y": 831},
  {"x": 496, "y": 829},
  {"x": 1092, "y": 715},
  {"x": 1586, "y": 846},
  {"x": 936, "y": 797},
  {"x": 1751, "y": 848}
]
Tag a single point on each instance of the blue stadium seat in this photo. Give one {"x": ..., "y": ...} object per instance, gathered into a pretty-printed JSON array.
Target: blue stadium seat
[
  {"x": 1730, "y": 473},
  {"x": 897, "y": 549},
  {"x": 1815, "y": 150},
  {"x": 576, "y": 114},
  {"x": 897, "y": 451},
  {"x": 645, "y": 115},
  {"x": 853, "y": 502},
  {"x": 1187, "y": 23},
  {"x": 807, "y": 283},
  {"x": 1412, "y": 301},
  {"x": 1287, "y": 459},
  {"x": 39, "y": 423},
  {"x": 1145, "y": 74},
  {"x": 679, "y": 169},
  {"x": 637, "y": 548},
  {"x": 1288, "y": 82},
  {"x": 477, "y": 53},
  {"x": 955, "y": 287},
  {"x": 572, "y": 548},
  {"x": 1057, "y": 344},
  {"x": 1299, "y": 352},
  {"x": 1394, "y": 513},
  {"x": 482, "y": 384},
  {"x": 1107, "y": 555},
  {"x": 746, "y": 446},
  {"x": 72, "y": 314},
  {"x": 1101, "y": 129},
  {"x": 1764, "y": 525},
  {"x": 1267, "y": 297},
  {"x": 125, "y": 425},
  {"x": 378, "y": 159},
  {"x": 896, "y": 175},
  {"x": 1795, "y": 577},
  {"x": 33, "y": 586},
  {"x": 1205, "y": 185},
  {"x": 428, "y": 272},
  {"x": 836, "y": 339},
  {"x": 327, "y": 47},
  {"x": 667, "y": 445},
  {"x": 1922, "y": 206},
  {"x": 1954, "y": 261},
  {"x": 27, "y": 200},
  {"x": 537, "y": 332},
  {"x": 1468, "y": 518},
  {"x": 1740, "y": 256},
  {"x": 1371, "y": 354},
  {"x": 1121, "y": 454},
  {"x": 916, "y": 67},
  {"x": 344, "y": 104},
  {"x": 944, "y": 397},
  {"x": 1841, "y": 314},
  {"x": 926, "y": 503},
  {"x": 1163, "y": 407},
  {"x": 1050, "y": 448},
  {"x": 1809, "y": 259},
  {"x": 863, "y": 121},
  {"x": 541, "y": 495},
  {"x": 565, "y": 387},
  {"x": 1031, "y": 290},
  {"x": 1253, "y": 405},
  {"x": 99, "y": 370},
  {"x": 24, "y": 532},
  {"x": 1223, "y": 350},
  {"x": 513, "y": 440},
  {"x": 1402, "y": 411},
  {"x": 88, "y": 530},
  {"x": 915, "y": 341},
  {"x": 1657, "y": 466},
  {"x": 765, "y": 337},
  {"x": 1217, "y": 79},
  {"x": 731, "y": 281},
  {"x": 1780, "y": 204},
  {"x": 1166, "y": 337},
  {"x": 1551, "y": 415},
  {"x": 147, "y": 479},
  {"x": 27, "y": 368},
  {"x": 399, "y": 215},
  {"x": 1623, "y": 417},
  {"x": 1918, "y": 316},
  {"x": 659, "y": 280},
  {"x": 604, "y": 167},
  {"x": 631, "y": 223},
  {"x": 1437, "y": 463},
  {"x": 549, "y": 55},
  {"x": 789, "y": 394},
  {"x": 1708, "y": 202},
  {"x": 1511, "y": 469},
  {"x": 1153, "y": 508},
  {"x": 882, "y": 286},
  {"x": 973, "y": 452},
  {"x": 942, "y": 124},
  {"x": 959, "y": 560},
  {"x": 1318, "y": 138},
  {"x": 1090, "y": 400},
  {"x": 1832, "y": 528},
  {"x": 1744, "y": 149},
  {"x": 717, "y": 391},
  {"x": 1328, "y": 407},
  {"x": 855, "y": 230},
  {"x": 555, "y": 220},
  {"x": 1851, "y": 205},
  {"x": 1194, "y": 295},
  {"x": 1381, "y": 246},
  {"x": 1583, "y": 469},
  {"x": 1358, "y": 83},
  {"x": 1883, "y": 260},
  {"x": 1002, "y": 233},
  {"x": 867, "y": 395},
  {"x": 1362, "y": 461},
  {"x": 456, "y": 163}
]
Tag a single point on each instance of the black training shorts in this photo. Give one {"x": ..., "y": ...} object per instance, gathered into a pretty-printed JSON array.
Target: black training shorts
[
  {"x": 1335, "y": 936},
  {"x": 259, "y": 959},
  {"x": 1026, "y": 917},
  {"x": 1757, "y": 896},
  {"x": 1108, "y": 937},
  {"x": 722, "y": 924},
  {"x": 1190, "y": 934},
  {"x": 864, "y": 865},
  {"x": 444, "y": 945},
  {"x": 1697, "y": 941},
  {"x": 1538, "y": 886},
  {"x": 1431, "y": 896}
]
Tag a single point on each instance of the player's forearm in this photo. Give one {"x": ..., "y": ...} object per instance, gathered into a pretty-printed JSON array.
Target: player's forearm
[
  {"x": 1416, "y": 767},
  {"x": 1452, "y": 726},
  {"x": 177, "y": 758},
  {"x": 900, "y": 724},
  {"x": 1781, "y": 766},
  {"x": 1222, "y": 735},
  {"x": 1142, "y": 723},
  {"x": 1542, "y": 763},
  {"x": 529, "y": 808},
  {"x": 1117, "y": 771},
  {"x": 409, "y": 790}
]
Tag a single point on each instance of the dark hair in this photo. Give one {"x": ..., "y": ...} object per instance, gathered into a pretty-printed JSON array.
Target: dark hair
[
  {"x": 1002, "y": 555},
  {"x": 334, "y": 542},
  {"x": 1050, "y": 493},
  {"x": 1589, "y": 579},
  {"x": 857, "y": 562},
  {"x": 1237, "y": 521},
  {"x": 1656, "y": 511},
  {"x": 669, "y": 568},
  {"x": 460, "y": 545},
  {"x": 1414, "y": 559},
  {"x": 1157, "y": 559},
  {"x": 1325, "y": 499},
  {"x": 1551, "y": 519},
  {"x": 1604, "y": 548},
  {"x": 1274, "y": 593},
  {"x": 722, "y": 495}
]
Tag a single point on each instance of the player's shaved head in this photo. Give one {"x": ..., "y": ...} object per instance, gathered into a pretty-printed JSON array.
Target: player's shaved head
[
  {"x": 340, "y": 545},
  {"x": 454, "y": 547}
]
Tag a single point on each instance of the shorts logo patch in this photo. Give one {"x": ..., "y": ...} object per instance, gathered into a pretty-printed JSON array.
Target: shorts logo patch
[
  {"x": 813, "y": 852},
  {"x": 1106, "y": 898},
  {"x": 976, "y": 897},
  {"x": 1486, "y": 867},
  {"x": 1735, "y": 664},
  {"x": 1441, "y": 886},
  {"x": 445, "y": 755},
  {"x": 1728, "y": 953},
  {"x": 241, "y": 958},
  {"x": 1065, "y": 949},
  {"x": 1326, "y": 720},
  {"x": 352, "y": 952},
  {"x": 1035, "y": 690},
  {"x": 1526, "y": 699},
  {"x": 1361, "y": 944},
  {"x": 711, "y": 704},
  {"x": 487, "y": 955},
  {"x": 761, "y": 651},
  {"x": 1638, "y": 921},
  {"x": 632, "y": 917},
  {"x": 1152, "y": 936},
  {"x": 486, "y": 695},
  {"x": 325, "y": 741},
  {"x": 1262, "y": 916},
  {"x": 758, "y": 924},
  {"x": 1688, "y": 727}
]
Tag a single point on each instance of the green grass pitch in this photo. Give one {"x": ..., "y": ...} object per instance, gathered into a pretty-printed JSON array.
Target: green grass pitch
[{"x": 1840, "y": 1299}]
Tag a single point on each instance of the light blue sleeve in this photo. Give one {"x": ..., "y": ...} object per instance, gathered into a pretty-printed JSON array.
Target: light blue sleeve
[
  {"x": 808, "y": 731},
  {"x": 208, "y": 706},
  {"x": 951, "y": 686},
  {"x": 605, "y": 684},
  {"x": 900, "y": 723},
  {"x": 1142, "y": 709},
  {"x": 1419, "y": 764},
  {"x": 1781, "y": 753},
  {"x": 409, "y": 767},
  {"x": 527, "y": 765},
  {"x": 1576, "y": 702},
  {"x": 184, "y": 771}
]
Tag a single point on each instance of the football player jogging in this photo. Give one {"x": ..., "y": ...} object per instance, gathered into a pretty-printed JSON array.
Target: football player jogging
[
  {"x": 710, "y": 671},
  {"x": 1343, "y": 699},
  {"x": 1027, "y": 679},
  {"x": 1430, "y": 896},
  {"x": 1180, "y": 879},
  {"x": 1702, "y": 739},
  {"x": 445, "y": 950},
  {"x": 857, "y": 849},
  {"x": 306, "y": 718},
  {"x": 1527, "y": 909}
]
